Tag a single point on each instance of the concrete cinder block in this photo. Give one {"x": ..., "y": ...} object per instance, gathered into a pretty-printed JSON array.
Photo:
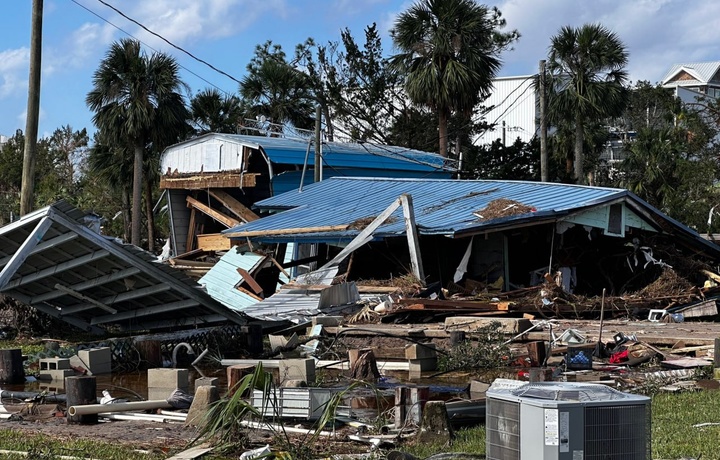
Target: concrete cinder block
[
  {"x": 297, "y": 369},
  {"x": 96, "y": 360},
  {"x": 55, "y": 374},
  {"x": 159, "y": 394},
  {"x": 206, "y": 381},
  {"x": 422, "y": 365},
  {"x": 204, "y": 397},
  {"x": 417, "y": 351},
  {"x": 168, "y": 378},
  {"x": 48, "y": 364}
]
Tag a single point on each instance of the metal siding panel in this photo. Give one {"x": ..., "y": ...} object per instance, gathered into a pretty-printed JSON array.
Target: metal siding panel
[{"x": 515, "y": 103}]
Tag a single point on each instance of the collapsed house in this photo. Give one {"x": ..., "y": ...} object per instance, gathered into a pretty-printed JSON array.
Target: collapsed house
[
  {"x": 469, "y": 237},
  {"x": 212, "y": 180}
]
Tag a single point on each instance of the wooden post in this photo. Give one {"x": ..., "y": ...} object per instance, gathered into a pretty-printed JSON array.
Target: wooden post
[
  {"x": 235, "y": 373},
  {"x": 81, "y": 391},
  {"x": 150, "y": 354},
  {"x": 536, "y": 350},
  {"x": 253, "y": 335},
  {"x": 412, "y": 237},
  {"x": 11, "y": 366}
]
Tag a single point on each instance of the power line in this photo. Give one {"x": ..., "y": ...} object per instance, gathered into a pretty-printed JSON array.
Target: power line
[
  {"x": 146, "y": 45},
  {"x": 169, "y": 42}
]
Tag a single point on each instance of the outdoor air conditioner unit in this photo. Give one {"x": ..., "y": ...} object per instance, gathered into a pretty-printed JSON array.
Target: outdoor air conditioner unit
[{"x": 565, "y": 421}]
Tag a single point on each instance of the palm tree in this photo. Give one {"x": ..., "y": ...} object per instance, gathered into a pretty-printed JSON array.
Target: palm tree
[
  {"x": 276, "y": 90},
  {"x": 586, "y": 67},
  {"x": 213, "y": 112},
  {"x": 449, "y": 53},
  {"x": 137, "y": 102}
]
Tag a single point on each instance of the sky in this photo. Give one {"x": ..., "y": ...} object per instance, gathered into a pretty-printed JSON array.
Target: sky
[{"x": 78, "y": 33}]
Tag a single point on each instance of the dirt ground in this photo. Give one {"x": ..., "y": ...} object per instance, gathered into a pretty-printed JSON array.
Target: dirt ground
[{"x": 140, "y": 435}]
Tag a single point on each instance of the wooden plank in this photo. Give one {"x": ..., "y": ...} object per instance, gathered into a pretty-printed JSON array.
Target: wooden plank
[
  {"x": 206, "y": 181},
  {"x": 280, "y": 267},
  {"x": 237, "y": 208},
  {"x": 213, "y": 242},
  {"x": 412, "y": 237},
  {"x": 685, "y": 363},
  {"x": 25, "y": 249},
  {"x": 192, "y": 453},
  {"x": 288, "y": 231},
  {"x": 250, "y": 293},
  {"x": 455, "y": 304},
  {"x": 217, "y": 215},
  {"x": 191, "y": 232},
  {"x": 250, "y": 281}
]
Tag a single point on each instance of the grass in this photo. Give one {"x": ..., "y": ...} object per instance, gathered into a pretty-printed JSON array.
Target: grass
[
  {"x": 673, "y": 434},
  {"x": 42, "y": 447}
]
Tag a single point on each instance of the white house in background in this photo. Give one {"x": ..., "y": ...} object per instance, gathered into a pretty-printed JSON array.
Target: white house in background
[
  {"x": 3, "y": 139},
  {"x": 694, "y": 80},
  {"x": 514, "y": 111}
]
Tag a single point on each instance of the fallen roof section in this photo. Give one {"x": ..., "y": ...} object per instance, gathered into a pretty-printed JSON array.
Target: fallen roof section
[
  {"x": 52, "y": 262},
  {"x": 332, "y": 210}
]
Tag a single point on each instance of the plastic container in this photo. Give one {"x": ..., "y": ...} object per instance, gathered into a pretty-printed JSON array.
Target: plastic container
[{"x": 579, "y": 357}]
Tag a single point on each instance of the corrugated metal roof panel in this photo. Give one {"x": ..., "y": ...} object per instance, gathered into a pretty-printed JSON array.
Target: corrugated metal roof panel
[
  {"x": 441, "y": 206},
  {"x": 288, "y": 151},
  {"x": 704, "y": 71},
  {"x": 221, "y": 280}
]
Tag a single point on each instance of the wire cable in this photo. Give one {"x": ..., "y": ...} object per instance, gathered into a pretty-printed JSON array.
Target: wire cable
[{"x": 146, "y": 45}]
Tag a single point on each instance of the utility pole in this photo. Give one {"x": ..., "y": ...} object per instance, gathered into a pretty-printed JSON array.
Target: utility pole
[
  {"x": 27, "y": 192},
  {"x": 318, "y": 160},
  {"x": 544, "y": 173}
]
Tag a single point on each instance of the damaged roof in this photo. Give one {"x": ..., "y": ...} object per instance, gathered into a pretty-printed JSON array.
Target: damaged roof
[
  {"x": 294, "y": 151},
  {"x": 51, "y": 261},
  {"x": 442, "y": 207}
]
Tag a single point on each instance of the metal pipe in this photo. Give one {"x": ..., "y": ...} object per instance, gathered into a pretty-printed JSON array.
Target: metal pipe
[
  {"x": 199, "y": 358},
  {"x": 140, "y": 417},
  {"x": 175, "y": 350},
  {"x": 118, "y": 407}
]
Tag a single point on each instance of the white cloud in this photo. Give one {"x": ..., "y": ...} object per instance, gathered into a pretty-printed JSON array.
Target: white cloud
[
  {"x": 657, "y": 33},
  {"x": 184, "y": 21},
  {"x": 13, "y": 71}
]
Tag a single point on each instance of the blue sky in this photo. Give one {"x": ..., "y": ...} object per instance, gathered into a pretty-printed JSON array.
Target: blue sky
[{"x": 658, "y": 33}]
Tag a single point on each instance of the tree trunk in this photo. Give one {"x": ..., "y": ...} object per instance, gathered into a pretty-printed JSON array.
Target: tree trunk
[
  {"x": 137, "y": 195},
  {"x": 579, "y": 149},
  {"x": 126, "y": 214},
  {"x": 150, "y": 216},
  {"x": 442, "y": 129}
]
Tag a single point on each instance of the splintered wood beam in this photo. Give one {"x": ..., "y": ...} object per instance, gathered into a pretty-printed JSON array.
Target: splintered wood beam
[
  {"x": 287, "y": 231},
  {"x": 257, "y": 289},
  {"x": 217, "y": 215},
  {"x": 87, "y": 299},
  {"x": 237, "y": 208},
  {"x": 206, "y": 181}
]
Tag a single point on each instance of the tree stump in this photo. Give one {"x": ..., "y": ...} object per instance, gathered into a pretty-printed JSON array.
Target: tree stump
[
  {"x": 81, "y": 391},
  {"x": 435, "y": 427},
  {"x": 11, "y": 366},
  {"x": 365, "y": 367}
]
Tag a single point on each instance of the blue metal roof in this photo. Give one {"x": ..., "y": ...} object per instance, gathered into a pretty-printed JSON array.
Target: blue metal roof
[
  {"x": 442, "y": 207},
  {"x": 288, "y": 151}
]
